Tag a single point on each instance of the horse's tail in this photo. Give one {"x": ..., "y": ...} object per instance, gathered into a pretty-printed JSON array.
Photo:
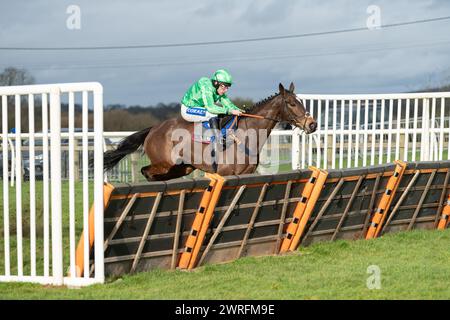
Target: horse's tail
[{"x": 126, "y": 146}]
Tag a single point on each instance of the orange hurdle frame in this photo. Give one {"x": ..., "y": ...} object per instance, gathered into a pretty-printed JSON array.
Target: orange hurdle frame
[
  {"x": 383, "y": 207},
  {"x": 201, "y": 223},
  {"x": 304, "y": 209},
  {"x": 79, "y": 255},
  {"x": 444, "y": 219}
]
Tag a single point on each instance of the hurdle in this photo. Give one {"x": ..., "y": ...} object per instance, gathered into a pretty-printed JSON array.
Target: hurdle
[{"x": 187, "y": 223}]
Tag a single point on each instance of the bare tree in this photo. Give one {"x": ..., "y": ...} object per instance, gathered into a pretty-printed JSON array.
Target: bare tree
[{"x": 15, "y": 77}]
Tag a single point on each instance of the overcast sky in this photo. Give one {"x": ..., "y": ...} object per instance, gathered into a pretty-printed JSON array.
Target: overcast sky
[{"x": 397, "y": 59}]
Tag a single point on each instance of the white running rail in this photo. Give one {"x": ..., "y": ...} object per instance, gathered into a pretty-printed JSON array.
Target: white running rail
[{"x": 370, "y": 129}]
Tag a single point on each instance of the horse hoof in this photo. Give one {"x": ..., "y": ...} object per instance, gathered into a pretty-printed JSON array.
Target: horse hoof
[{"x": 147, "y": 177}]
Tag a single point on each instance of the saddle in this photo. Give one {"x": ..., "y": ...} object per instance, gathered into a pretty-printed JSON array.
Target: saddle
[{"x": 227, "y": 125}]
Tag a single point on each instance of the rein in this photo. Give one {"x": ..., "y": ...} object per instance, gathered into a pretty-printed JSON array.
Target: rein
[
  {"x": 306, "y": 116},
  {"x": 254, "y": 116}
]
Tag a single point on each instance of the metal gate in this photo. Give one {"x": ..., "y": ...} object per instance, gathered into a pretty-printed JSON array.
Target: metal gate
[{"x": 38, "y": 227}]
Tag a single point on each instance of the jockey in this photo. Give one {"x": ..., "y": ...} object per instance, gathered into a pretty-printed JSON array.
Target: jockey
[{"x": 199, "y": 102}]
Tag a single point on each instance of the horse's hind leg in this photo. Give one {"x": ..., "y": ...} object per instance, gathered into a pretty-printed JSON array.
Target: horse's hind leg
[
  {"x": 151, "y": 170},
  {"x": 174, "y": 172}
]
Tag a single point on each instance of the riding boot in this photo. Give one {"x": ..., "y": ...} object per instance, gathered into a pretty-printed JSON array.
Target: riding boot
[{"x": 214, "y": 125}]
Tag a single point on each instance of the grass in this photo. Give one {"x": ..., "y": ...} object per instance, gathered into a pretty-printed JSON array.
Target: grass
[
  {"x": 39, "y": 223},
  {"x": 414, "y": 265},
  {"x": 78, "y": 190}
]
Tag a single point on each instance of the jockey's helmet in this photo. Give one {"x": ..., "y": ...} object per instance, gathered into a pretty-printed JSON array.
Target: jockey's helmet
[{"x": 223, "y": 77}]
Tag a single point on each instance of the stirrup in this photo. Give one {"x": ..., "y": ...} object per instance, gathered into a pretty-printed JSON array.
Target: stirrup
[{"x": 235, "y": 139}]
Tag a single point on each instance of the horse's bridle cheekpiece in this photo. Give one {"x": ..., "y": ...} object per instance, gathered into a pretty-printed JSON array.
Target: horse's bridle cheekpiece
[
  {"x": 291, "y": 119},
  {"x": 306, "y": 115}
]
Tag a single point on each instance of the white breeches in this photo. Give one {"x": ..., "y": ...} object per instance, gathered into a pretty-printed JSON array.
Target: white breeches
[{"x": 196, "y": 114}]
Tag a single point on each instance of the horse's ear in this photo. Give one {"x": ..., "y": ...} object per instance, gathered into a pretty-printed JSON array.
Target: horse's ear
[
  {"x": 282, "y": 90},
  {"x": 291, "y": 87}
]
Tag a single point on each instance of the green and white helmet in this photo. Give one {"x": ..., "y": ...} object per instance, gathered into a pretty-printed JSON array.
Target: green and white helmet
[{"x": 222, "y": 76}]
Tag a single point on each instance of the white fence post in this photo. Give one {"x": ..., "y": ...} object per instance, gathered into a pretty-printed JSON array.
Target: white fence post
[
  {"x": 296, "y": 149},
  {"x": 98, "y": 184},
  {"x": 55, "y": 173},
  {"x": 19, "y": 234},
  {"x": 5, "y": 186},
  {"x": 425, "y": 136}
]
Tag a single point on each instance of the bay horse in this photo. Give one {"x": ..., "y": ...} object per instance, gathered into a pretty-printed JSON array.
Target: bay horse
[{"x": 158, "y": 144}]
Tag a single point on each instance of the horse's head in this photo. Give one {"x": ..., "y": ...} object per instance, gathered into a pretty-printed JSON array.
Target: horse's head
[{"x": 294, "y": 112}]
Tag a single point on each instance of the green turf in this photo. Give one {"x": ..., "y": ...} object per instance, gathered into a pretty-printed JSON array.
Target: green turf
[
  {"x": 39, "y": 223},
  {"x": 414, "y": 265},
  {"x": 78, "y": 191}
]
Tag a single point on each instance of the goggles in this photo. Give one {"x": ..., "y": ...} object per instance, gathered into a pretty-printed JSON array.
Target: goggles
[{"x": 225, "y": 84}]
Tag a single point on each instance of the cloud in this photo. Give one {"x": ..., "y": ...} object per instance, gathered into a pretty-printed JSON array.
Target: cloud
[{"x": 385, "y": 60}]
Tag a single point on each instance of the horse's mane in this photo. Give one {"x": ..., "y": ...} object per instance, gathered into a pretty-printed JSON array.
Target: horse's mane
[
  {"x": 261, "y": 102},
  {"x": 250, "y": 110}
]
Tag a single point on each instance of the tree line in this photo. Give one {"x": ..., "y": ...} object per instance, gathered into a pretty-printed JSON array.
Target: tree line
[{"x": 116, "y": 117}]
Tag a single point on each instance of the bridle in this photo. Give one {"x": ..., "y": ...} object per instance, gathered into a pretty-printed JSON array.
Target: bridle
[{"x": 290, "y": 119}]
